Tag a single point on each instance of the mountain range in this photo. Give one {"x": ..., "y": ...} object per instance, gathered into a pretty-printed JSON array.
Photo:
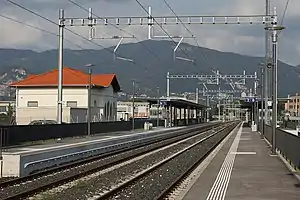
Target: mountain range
[{"x": 151, "y": 62}]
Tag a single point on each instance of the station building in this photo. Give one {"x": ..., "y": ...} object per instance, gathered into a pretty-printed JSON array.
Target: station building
[{"x": 36, "y": 97}]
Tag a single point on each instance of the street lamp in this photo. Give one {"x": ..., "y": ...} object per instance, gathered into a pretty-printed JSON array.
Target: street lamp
[
  {"x": 158, "y": 105},
  {"x": 262, "y": 94},
  {"x": 1, "y": 155},
  {"x": 89, "y": 66},
  {"x": 133, "y": 96},
  {"x": 274, "y": 30}
]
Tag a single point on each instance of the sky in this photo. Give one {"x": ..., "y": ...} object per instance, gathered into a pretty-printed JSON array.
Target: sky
[{"x": 243, "y": 39}]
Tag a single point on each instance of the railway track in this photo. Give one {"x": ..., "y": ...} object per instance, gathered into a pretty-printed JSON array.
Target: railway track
[
  {"x": 126, "y": 180},
  {"x": 30, "y": 185},
  {"x": 154, "y": 176}
]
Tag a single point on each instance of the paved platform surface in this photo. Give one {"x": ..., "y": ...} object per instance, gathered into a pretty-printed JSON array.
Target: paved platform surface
[
  {"x": 244, "y": 170},
  {"x": 67, "y": 142}
]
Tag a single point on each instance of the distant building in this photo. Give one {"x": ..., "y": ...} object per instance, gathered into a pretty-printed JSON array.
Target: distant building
[
  {"x": 36, "y": 97},
  {"x": 143, "y": 109},
  {"x": 124, "y": 109},
  {"x": 4, "y": 106},
  {"x": 292, "y": 105}
]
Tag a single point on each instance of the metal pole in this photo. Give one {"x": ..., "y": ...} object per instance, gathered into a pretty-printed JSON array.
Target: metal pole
[
  {"x": 207, "y": 110},
  {"x": 197, "y": 95},
  {"x": 274, "y": 109},
  {"x": 168, "y": 84},
  {"x": 60, "y": 65},
  {"x": 133, "y": 96},
  {"x": 256, "y": 116},
  {"x": 150, "y": 21},
  {"x": 1, "y": 156},
  {"x": 261, "y": 102},
  {"x": 219, "y": 110},
  {"x": 267, "y": 61},
  {"x": 89, "y": 102},
  {"x": 158, "y": 105}
]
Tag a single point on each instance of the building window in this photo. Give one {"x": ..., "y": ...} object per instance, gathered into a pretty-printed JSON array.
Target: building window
[
  {"x": 72, "y": 104},
  {"x": 32, "y": 103}
]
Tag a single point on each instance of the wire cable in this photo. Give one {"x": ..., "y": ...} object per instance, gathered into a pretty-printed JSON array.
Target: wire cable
[
  {"x": 78, "y": 35},
  {"x": 39, "y": 29},
  {"x": 141, "y": 5},
  {"x": 172, "y": 10},
  {"x": 284, "y": 12},
  {"x": 85, "y": 9},
  {"x": 45, "y": 18}
]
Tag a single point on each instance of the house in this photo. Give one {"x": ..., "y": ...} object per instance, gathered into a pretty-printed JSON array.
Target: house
[
  {"x": 292, "y": 105},
  {"x": 36, "y": 97},
  {"x": 5, "y": 106}
]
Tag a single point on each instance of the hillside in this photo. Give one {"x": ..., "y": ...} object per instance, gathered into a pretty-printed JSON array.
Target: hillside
[{"x": 148, "y": 70}]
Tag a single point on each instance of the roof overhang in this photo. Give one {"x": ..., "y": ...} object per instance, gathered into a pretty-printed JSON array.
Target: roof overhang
[
  {"x": 177, "y": 103},
  {"x": 55, "y": 86}
]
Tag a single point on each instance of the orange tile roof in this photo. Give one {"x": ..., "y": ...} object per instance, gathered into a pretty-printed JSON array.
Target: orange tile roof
[{"x": 71, "y": 77}]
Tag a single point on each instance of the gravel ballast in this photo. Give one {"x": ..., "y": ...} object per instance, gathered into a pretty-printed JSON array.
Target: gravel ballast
[
  {"x": 155, "y": 183},
  {"x": 4, "y": 192},
  {"x": 86, "y": 189}
]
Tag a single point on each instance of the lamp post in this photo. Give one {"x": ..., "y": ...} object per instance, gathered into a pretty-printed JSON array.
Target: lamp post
[
  {"x": 158, "y": 105},
  {"x": 1, "y": 156},
  {"x": 133, "y": 96},
  {"x": 89, "y": 66},
  {"x": 262, "y": 104},
  {"x": 274, "y": 28}
]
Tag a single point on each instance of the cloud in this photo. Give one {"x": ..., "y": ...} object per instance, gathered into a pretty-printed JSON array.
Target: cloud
[{"x": 241, "y": 39}]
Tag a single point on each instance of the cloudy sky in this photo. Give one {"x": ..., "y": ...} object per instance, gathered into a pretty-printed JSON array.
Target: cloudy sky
[{"x": 247, "y": 40}]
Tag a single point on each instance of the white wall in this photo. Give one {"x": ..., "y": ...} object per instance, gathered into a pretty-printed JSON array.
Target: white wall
[
  {"x": 103, "y": 102},
  {"x": 47, "y": 97},
  {"x": 25, "y": 115}
]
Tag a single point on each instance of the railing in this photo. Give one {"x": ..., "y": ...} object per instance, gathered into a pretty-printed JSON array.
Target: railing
[{"x": 287, "y": 144}]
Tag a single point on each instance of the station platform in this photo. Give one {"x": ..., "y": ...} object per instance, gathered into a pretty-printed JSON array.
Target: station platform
[
  {"x": 291, "y": 131},
  {"x": 242, "y": 167},
  {"x": 48, "y": 145},
  {"x": 23, "y": 160}
]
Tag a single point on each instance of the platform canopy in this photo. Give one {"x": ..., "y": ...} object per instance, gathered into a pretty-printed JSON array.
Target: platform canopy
[{"x": 174, "y": 102}]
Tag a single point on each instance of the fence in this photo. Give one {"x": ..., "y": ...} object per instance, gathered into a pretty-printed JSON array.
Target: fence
[
  {"x": 14, "y": 135},
  {"x": 287, "y": 144}
]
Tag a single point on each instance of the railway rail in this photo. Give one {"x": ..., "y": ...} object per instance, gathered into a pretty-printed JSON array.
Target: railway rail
[
  {"x": 27, "y": 186},
  {"x": 164, "y": 175},
  {"x": 126, "y": 181}
]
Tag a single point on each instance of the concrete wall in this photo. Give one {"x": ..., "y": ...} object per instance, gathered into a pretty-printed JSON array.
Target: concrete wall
[
  {"x": 24, "y": 162},
  {"x": 11, "y": 165},
  {"x": 103, "y": 103},
  {"x": 25, "y": 115}
]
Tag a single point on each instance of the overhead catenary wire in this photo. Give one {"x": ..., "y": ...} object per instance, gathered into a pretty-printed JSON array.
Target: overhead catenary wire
[
  {"x": 39, "y": 29},
  {"x": 127, "y": 32},
  {"x": 284, "y": 12},
  {"x": 117, "y": 27},
  {"x": 69, "y": 30},
  {"x": 188, "y": 30},
  {"x": 195, "y": 39},
  {"x": 143, "y": 7}
]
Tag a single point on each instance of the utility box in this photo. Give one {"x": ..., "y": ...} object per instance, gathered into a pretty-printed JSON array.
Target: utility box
[{"x": 146, "y": 126}]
